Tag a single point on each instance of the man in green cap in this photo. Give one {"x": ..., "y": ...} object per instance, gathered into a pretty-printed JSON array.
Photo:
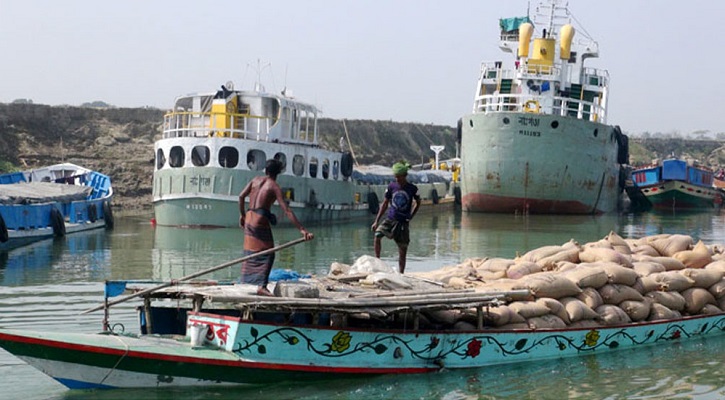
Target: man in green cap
[{"x": 400, "y": 196}]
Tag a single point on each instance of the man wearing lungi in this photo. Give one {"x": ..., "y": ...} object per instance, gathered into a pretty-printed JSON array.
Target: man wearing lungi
[{"x": 257, "y": 223}]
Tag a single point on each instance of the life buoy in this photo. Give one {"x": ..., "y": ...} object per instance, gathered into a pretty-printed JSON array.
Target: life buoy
[
  {"x": 434, "y": 196},
  {"x": 4, "y": 237},
  {"x": 57, "y": 222},
  {"x": 346, "y": 164},
  {"x": 457, "y": 195},
  {"x": 108, "y": 215},
  {"x": 532, "y": 106},
  {"x": 92, "y": 216},
  {"x": 373, "y": 203}
]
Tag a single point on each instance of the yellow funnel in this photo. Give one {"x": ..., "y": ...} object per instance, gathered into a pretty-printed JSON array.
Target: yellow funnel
[
  {"x": 566, "y": 35},
  {"x": 525, "y": 32}
]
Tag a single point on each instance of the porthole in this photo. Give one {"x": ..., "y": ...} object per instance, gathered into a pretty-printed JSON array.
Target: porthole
[
  {"x": 325, "y": 169},
  {"x": 298, "y": 165},
  {"x": 228, "y": 157},
  {"x": 470, "y": 122},
  {"x": 554, "y": 124},
  {"x": 335, "y": 169},
  {"x": 596, "y": 132},
  {"x": 160, "y": 159},
  {"x": 281, "y": 157},
  {"x": 313, "y": 167},
  {"x": 256, "y": 160},
  {"x": 506, "y": 120},
  {"x": 200, "y": 156},
  {"x": 176, "y": 157}
]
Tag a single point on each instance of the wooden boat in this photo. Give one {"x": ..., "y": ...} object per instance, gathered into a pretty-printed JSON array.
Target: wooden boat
[
  {"x": 352, "y": 324},
  {"x": 214, "y": 143},
  {"x": 52, "y": 201},
  {"x": 676, "y": 185}
]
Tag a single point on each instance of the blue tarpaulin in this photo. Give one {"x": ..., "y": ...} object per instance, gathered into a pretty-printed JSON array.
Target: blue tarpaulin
[{"x": 512, "y": 24}]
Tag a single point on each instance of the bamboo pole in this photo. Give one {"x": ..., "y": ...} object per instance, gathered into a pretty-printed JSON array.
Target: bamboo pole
[{"x": 195, "y": 275}]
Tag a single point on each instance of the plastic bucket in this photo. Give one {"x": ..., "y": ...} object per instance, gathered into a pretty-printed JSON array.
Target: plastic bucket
[{"x": 196, "y": 334}]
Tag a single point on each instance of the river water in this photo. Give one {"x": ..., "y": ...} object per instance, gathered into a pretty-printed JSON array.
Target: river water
[{"x": 44, "y": 286}]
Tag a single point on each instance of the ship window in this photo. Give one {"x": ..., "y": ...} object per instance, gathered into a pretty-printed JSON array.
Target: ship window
[
  {"x": 313, "y": 167},
  {"x": 506, "y": 120},
  {"x": 335, "y": 169},
  {"x": 176, "y": 157},
  {"x": 228, "y": 157},
  {"x": 596, "y": 132},
  {"x": 325, "y": 169},
  {"x": 256, "y": 159},
  {"x": 160, "y": 159},
  {"x": 554, "y": 124},
  {"x": 283, "y": 159},
  {"x": 200, "y": 156},
  {"x": 470, "y": 122},
  {"x": 298, "y": 165}
]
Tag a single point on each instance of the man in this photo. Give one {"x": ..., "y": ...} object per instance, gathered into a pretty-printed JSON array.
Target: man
[
  {"x": 257, "y": 223},
  {"x": 399, "y": 196}
]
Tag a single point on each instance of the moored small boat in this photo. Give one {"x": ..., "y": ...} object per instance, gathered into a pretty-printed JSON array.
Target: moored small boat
[
  {"x": 676, "y": 184},
  {"x": 52, "y": 201},
  {"x": 214, "y": 143}
]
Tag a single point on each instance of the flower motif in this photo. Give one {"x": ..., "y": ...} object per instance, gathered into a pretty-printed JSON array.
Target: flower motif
[
  {"x": 592, "y": 338},
  {"x": 676, "y": 334},
  {"x": 474, "y": 348},
  {"x": 340, "y": 342}
]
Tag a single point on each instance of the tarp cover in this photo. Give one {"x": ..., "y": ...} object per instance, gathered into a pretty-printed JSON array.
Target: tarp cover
[
  {"x": 512, "y": 24},
  {"x": 42, "y": 192},
  {"x": 377, "y": 174}
]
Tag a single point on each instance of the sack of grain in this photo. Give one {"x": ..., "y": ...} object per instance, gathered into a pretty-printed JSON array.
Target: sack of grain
[
  {"x": 583, "y": 276},
  {"x": 539, "y": 253},
  {"x": 646, "y": 284},
  {"x": 696, "y": 298},
  {"x": 671, "y": 245},
  {"x": 660, "y": 312},
  {"x": 698, "y": 257},
  {"x": 704, "y": 278},
  {"x": 718, "y": 289},
  {"x": 612, "y": 315},
  {"x": 620, "y": 274},
  {"x": 710, "y": 309},
  {"x": 550, "y": 284},
  {"x": 636, "y": 310},
  {"x": 521, "y": 269},
  {"x": 594, "y": 254},
  {"x": 529, "y": 309},
  {"x": 494, "y": 316},
  {"x": 494, "y": 265},
  {"x": 613, "y": 293},
  {"x": 577, "y": 310},
  {"x": 555, "y": 308},
  {"x": 463, "y": 326},
  {"x": 591, "y": 298},
  {"x": 645, "y": 250},
  {"x": 644, "y": 268},
  {"x": 618, "y": 243},
  {"x": 549, "y": 263},
  {"x": 671, "y": 300},
  {"x": 717, "y": 266},
  {"x": 585, "y": 324},
  {"x": 672, "y": 281},
  {"x": 546, "y": 322}
]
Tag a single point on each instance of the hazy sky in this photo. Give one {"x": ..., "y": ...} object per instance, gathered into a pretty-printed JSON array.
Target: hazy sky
[{"x": 409, "y": 60}]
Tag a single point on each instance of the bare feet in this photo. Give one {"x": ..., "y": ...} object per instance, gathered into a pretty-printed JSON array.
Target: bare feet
[{"x": 263, "y": 291}]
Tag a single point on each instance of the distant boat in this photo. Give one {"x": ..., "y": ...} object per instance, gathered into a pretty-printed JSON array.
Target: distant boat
[
  {"x": 52, "y": 201},
  {"x": 537, "y": 140},
  {"x": 676, "y": 185},
  {"x": 214, "y": 143}
]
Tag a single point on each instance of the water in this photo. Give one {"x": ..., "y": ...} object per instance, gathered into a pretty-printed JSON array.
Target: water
[{"x": 45, "y": 286}]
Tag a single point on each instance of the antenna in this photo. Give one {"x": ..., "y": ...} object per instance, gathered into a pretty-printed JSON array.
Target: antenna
[
  {"x": 258, "y": 87},
  {"x": 284, "y": 89}
]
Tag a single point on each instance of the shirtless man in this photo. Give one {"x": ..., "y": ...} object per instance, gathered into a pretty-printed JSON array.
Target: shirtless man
[{"x": 257, "y": 223}]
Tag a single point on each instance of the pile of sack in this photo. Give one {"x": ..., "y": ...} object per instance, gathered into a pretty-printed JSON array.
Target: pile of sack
[{"x": 613, "y": 281}]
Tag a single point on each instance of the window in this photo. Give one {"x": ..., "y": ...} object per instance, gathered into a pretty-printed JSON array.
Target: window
[
  {"x": 335, "y": 169},
  {"x": 176, "y": 157},
  {"x": 283, "y": 159},
  {"x": 256, "y": 160},
  {"x": 313, "y": 167},
  {"x": 160, "y": 159},
  {"x": 228, "y": 157},
  {"x": 298, "y": 165},
  {"x": 325, "y": 169},
  {"x": 200, "y": 156}
]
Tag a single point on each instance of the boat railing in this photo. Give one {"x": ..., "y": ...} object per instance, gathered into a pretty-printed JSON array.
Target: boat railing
[
  {"x": 556, "y": 105},
  {"x": 209, "y": 124},
  {"x": 493, "y": 72}
]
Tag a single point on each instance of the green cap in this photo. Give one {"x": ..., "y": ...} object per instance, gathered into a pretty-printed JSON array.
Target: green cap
[{"x": 401, "y": 168}]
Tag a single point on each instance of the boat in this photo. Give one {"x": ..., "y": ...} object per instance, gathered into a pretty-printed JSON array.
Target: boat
[
  {"x": 366, "y": 319},
  {"x": 676, "y": 184},
  {"x": 537, "y": 140},
  {"x": 52, "y": 201},
  {"x": 214, "y": 143}
]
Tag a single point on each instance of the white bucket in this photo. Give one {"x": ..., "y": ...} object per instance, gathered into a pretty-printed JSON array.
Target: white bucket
[{"x": 197, "y": 333}]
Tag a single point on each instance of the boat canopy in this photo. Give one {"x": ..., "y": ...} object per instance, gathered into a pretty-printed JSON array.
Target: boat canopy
[{"x": 512, "y": 24}]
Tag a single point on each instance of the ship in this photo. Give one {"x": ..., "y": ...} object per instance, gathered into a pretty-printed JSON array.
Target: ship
[{"x": 537, "y": 140}]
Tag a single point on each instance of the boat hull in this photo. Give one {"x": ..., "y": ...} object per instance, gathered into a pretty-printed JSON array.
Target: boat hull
[
  {"x": 678, "y": 195},
  {"x": 539, "y": 164},
  {"x": 246, "y": 352}
]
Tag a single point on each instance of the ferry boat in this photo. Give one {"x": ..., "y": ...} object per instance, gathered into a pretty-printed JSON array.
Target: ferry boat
[
  {"x": 51, "y": 202},
  {"x": 214, "y": 143},
  {"x": 676, "y": 185},
  {"x": 537, "y": 140}
]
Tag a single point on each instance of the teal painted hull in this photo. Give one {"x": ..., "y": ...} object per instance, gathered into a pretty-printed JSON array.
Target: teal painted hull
[
  {"x": 539, "y": 164},
  {"x": 677, "y": 195},
  {"x": 230, "y": 351}
]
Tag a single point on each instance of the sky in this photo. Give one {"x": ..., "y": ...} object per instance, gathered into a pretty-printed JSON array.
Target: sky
[{"x": 399, "y": 60}]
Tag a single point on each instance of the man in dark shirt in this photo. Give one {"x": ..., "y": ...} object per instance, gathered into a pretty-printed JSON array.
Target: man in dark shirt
[{"x": 400, "y": 196}]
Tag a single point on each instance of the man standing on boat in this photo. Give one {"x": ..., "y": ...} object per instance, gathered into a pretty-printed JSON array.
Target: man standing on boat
[
  {"x": 400, "y": 195},
  {"x": 257, "y": 223}
]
